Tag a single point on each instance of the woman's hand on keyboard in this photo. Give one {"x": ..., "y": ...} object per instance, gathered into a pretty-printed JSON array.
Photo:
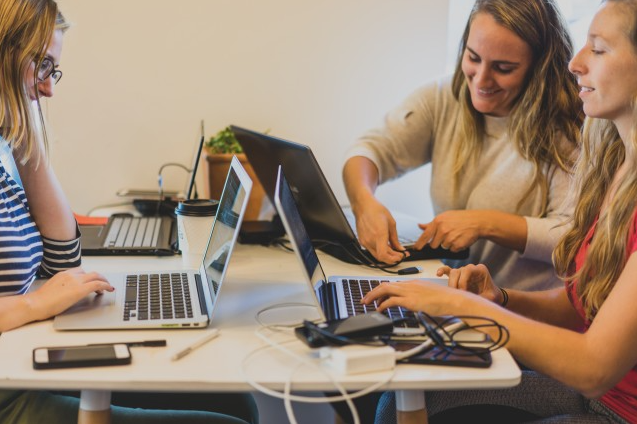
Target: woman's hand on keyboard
[
  {"x": 415, "y": 295},
  {"x": 63, "y": 290}
]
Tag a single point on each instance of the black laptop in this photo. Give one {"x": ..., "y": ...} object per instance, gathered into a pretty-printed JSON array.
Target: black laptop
[
  {"x": 146, "y": 235},
  {"x": 326, "y": 223}
]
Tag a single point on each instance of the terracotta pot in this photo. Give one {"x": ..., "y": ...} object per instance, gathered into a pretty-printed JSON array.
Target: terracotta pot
[{"x": 217, "y": 165}]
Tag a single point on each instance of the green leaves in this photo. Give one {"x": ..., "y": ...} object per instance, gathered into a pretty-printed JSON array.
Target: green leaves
[{"x": 224, "y": 142}]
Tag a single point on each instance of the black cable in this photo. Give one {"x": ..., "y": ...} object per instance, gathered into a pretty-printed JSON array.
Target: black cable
[
  {"x": 366, "y": 261},
  {"x": 282, "y": 243},
  {"x": 457, "y": 348},
  {"x": 336, "y": 340},
  {"x": 160, "y": 182}
]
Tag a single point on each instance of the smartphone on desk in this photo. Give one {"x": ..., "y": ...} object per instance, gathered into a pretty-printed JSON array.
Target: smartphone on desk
[
  {"x": 81, "y": 356},
  {"x": 451, "y": 356}
]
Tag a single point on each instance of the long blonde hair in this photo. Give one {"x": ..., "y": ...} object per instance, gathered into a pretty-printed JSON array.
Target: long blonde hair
[
  {"x": 548, "y": 109},
  {"x": 602, "y": 153},
  {"x": 25, "y": 32}
]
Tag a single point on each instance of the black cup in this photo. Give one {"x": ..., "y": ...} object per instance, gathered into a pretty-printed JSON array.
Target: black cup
[{"x": 197, "y": 207}]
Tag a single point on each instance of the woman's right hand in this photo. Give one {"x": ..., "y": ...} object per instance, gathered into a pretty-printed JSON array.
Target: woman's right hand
[
  {"x": 63, "y": 290},
  {"x": 376, "y": 229},
  {"x": 473, "y": 278}
]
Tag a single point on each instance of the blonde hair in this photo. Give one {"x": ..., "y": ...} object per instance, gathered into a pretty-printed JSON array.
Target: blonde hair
[
  {"x": 602, "y": 153},
  {"x": 548, "y": 109},
  {"x": 25, "y": 32}
]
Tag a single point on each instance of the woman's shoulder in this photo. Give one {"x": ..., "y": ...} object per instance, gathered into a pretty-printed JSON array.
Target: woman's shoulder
[
  {"x": 439, "y": 87},
  {"x": 435, "y": 97}
]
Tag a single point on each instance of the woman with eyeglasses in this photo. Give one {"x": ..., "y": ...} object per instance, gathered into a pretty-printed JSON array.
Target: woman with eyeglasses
[{"x": 39, "y": 235}]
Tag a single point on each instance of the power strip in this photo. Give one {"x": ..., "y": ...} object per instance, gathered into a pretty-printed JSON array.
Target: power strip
[{"x": 359, "y": 359}]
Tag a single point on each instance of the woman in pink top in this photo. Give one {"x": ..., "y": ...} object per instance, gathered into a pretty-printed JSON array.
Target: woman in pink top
[{"x": 580, "y": 340}]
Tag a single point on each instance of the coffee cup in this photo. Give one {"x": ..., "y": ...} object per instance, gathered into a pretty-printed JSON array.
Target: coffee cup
[{"x": 194, "y": 223}]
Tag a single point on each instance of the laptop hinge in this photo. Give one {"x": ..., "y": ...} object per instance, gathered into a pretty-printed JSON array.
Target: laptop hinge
[
  {"x": 328, "y": 300},
  {"x": 201, "y": 294}
]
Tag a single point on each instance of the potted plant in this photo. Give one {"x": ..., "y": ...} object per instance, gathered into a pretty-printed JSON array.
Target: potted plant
[{"x": 219, "y": 150}]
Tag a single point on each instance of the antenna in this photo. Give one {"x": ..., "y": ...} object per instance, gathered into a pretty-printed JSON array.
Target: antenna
[{"x": 195, "y": 164}]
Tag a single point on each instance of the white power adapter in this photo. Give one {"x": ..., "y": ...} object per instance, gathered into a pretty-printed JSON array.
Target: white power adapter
[{"x": 359, "y": 359}]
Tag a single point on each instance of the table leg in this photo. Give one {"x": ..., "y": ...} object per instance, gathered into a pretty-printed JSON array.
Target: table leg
[
  {"x": 410, "y": 407},
  {"x": 95, "y": 407}
]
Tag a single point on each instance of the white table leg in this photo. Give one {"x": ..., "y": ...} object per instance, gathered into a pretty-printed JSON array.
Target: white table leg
[
  {"x": 95, "y": 407},
  {"x": 410, "y": 407}
]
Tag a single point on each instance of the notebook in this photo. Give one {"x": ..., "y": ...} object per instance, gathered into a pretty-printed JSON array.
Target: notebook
[
  {"x": 180, "y": 298},
  {"x": 145, "y": 235},
  {"x": 323, "y": 216},
  {"x": 336, "y": 297}
]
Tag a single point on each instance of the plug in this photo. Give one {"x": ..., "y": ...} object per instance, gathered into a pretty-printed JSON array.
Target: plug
[
  {"x": 410, "y": 270},
  {"x": 359, "y": 359}
]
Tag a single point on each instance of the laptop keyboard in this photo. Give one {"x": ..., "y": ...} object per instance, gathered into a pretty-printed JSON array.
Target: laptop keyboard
[
  {"x": 157, "y": 296},
  {"x": 133, "y": 232},
  {"x": 355, "y": 290}
]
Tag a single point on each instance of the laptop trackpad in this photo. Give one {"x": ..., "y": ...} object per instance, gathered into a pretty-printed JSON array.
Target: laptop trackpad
[
  {"x": 92, "y": 312},
  {"x": 93, "y": 301},
  {"x": 91, "y": 236}
]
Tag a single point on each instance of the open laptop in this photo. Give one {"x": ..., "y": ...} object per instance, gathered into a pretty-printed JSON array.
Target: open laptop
[
  {"x": 336, "y": 297},
  {"x": 146, "y": 235},
  {"x": 181, "y": 298},
  {"x": 318, "y": 206}
]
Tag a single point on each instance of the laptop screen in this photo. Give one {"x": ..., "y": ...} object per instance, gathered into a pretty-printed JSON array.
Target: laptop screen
[
  {"x": 291, "y": 218},
  {"x": 232, "y": 206},
  {"x": 317, "y": 204}
]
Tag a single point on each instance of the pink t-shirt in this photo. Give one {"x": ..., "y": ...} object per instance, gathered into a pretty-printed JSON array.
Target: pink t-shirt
[{"x": 623, "y": 397}]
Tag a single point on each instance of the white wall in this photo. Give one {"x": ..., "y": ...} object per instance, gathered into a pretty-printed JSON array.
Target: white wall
[{"x": 139, "y": 75}]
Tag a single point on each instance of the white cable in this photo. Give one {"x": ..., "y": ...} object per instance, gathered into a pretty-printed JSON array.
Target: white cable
[
  {"x": 287, "y": 396},
  {"x": 305, "y": 399},
  {"x": 414, "y": 350},
  {"x": 257, "y": 316},
  {"x": 287, "y": 400}
]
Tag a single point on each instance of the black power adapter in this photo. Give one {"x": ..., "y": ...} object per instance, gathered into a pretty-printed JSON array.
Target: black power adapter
[
  {"x": 260, "y": 232},
  {"x": 343, "y": 331}
]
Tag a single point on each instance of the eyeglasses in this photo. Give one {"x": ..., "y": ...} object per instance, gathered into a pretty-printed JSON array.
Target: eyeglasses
[{"x": 47, "y": 69}]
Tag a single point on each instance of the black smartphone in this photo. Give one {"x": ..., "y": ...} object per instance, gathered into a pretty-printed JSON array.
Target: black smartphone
[
  {"x": 81, "y": 356},
  {"x": 452, "y": 356}
]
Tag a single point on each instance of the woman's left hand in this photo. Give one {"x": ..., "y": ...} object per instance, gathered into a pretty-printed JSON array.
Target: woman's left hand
[
  {"x": 472, "y": 278},
  {"x": 63, "y": 290}
]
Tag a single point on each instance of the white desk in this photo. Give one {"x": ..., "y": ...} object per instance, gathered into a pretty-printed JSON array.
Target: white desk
[{"x": 258, "y": 277}]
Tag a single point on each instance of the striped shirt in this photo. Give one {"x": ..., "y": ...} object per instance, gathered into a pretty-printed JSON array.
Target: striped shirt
[{"x": 24, "y": 253}]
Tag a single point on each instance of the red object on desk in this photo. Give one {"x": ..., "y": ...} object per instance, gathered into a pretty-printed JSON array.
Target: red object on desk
[{"x": 90, "y": 220}]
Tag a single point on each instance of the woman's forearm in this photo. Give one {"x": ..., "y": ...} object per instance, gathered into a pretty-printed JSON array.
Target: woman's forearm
[
  {"x": 360, "y": 177},
  {"x": 506, "y": 229},
  {"x": 550, "y": 350},
  {"x": 548, "y": 306}
]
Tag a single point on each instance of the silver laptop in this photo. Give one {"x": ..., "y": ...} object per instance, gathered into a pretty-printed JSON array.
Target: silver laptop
[
  {"x": 336, "y": 297},
  {"x": 140, "y": 235},
  {"x": 181, "y": 298}
]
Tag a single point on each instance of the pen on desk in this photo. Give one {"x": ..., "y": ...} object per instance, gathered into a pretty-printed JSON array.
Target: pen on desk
[
  {"x": 197, "y": 344},
  {"x": 143, "y": 343}
]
